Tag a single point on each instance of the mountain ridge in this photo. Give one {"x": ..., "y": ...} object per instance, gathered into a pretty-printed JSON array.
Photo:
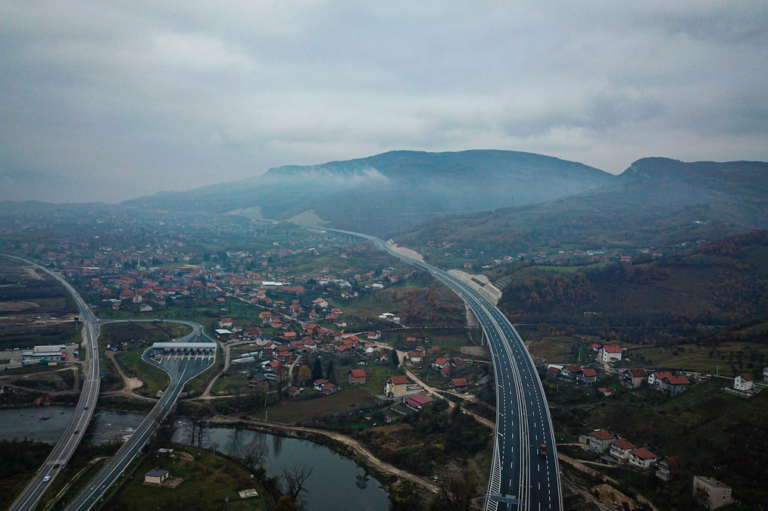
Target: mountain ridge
[{"x": 391, "y": 190}]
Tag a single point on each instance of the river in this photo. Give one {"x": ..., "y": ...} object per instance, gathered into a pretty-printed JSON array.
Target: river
[
  {"x": 47, "y": 423},
  {"x": 336, "y": 484}
]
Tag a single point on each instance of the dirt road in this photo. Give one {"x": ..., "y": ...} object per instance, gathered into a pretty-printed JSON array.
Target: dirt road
[{"x": 353, "y": 445}]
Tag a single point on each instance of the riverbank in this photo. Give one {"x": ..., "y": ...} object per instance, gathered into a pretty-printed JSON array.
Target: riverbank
[{"x": 385, "y": 473}]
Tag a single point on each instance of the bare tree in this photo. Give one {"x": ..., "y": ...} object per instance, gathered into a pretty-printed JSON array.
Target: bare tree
[
  {"x": 296, "y": 478},
  {"x": 254, "y": 454},
  {"x": 195, "y": 432}
]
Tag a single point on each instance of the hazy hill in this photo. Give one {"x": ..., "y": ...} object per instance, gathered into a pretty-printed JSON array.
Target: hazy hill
[
  {"x": 655, "y": 201},
  {"x": 391, "y": 190}
]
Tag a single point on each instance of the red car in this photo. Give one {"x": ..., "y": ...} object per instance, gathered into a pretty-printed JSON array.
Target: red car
[{"x": 77, "y": 431}]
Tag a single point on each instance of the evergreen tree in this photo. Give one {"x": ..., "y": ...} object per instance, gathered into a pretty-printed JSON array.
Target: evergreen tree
[
  {"x": 329, "y": 375},
  {"x": 317, "y": 370},
  {"x": 395, "y": 358}
]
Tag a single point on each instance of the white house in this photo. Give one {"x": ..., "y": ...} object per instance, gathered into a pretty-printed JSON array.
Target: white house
[
  {"x": 743, "y": 382},
  {"x": 621, "y": 448},
  {"x": 610, "y": 354},
  {"x": 642, "y": 458},
  {"x": 599, "y": 440}
]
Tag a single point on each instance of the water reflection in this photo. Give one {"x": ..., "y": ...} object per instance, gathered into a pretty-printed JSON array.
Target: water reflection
[{"x": 336, "y": 484}]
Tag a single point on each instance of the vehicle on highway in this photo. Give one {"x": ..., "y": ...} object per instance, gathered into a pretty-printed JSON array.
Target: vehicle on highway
[
  {"x": 56, "y": 465},
  {"x": 543, "y": 451},
  {"x": 46, "y": 479},
  {"x": 77, "y": 431}
]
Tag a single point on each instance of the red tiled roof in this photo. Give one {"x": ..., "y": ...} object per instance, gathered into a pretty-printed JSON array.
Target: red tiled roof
[
  {"x": 677, "y": 380},
  {"x": 419, "y": 400},
  {"x": 459, "y": 382},
  {"x": 624, "y": 444},
  {"x": 601, "y": 434},
  {"x": 746, "y": 376},
  {"x": 638, "y": 373},
  {"x": 358, "y": 373},
  {"x": 612, "y": 349},
  {"x": 398, "y": 380},
  {"x": 643, "y": 454},
  {"x": 589, "y": 373}
]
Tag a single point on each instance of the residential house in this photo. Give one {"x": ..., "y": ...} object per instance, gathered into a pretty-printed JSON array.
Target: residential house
[
  {"x": 441, "y": 362},
  {"x": 320, "y": 303},
  {"x": 642, "y": 458},
  {"x": 666, "y": 467},
  {"x": 621, "y": 448},
  {"x": 600, "y": 440},
  {"x": 374, "y": 336},
  {"x": 225, "y": 323},
  {"x": 329, "y": 388},
  {"x": 606, "y": 391},
  {"x": 743, "y": 382},
  {"x": 156, "y": 476},
  {"x": 293, "y": 391},
  {"x": 717, "y": 494},
  {"x": 633, "y": 378},
  {"x": 259, "y": 380},
  {"x": 418, "y": 401},
  {"x": 654, "y": 379},
  {"x": 571, "y": 371},
  {"x": 319, "y": 383},
  {"x": 587, "y": 377},
  {"x": 610, "y": 354},
  {"x": 416, "y": 356},
  {"x": 673, "y": 385},
  {"x": 356, "y": 376},
  {"x": 458, "y": 384},
  {"x": 553, "y": 372},
  {"x": 396, "y": 386}
]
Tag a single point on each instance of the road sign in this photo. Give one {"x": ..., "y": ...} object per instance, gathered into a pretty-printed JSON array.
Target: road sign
[{"x": 102, "y": 372}]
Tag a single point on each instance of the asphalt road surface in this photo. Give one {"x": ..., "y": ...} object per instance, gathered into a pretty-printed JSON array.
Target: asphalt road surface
[
  {"x": 181, "y": 369},
  {"x": 74, "y": 431},
  {"x": 521, "y": 477}
]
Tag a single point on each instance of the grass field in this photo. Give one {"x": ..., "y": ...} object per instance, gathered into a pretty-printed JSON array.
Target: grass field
[
  {"x": 154, "y": 379},
  {"x": 723, "y": 358},
  {"x": 227, "y": 381},
  {"x": 207, "y": 481},
  {"x": 374, "y": 381},
  {"x": 305, "y": 409}
]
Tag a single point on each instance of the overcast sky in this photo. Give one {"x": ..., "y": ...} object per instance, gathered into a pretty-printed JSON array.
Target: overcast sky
[{"x": 111, "y": 100}]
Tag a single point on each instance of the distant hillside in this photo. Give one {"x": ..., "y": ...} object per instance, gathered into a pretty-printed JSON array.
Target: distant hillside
[
  {"x": 655, "y": 201},
  {"x": 657, "y": 302},
  {"x": 391, "y": 190}
]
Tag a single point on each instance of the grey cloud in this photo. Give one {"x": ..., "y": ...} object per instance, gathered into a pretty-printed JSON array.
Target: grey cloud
[{"x": 130, "y": 98}]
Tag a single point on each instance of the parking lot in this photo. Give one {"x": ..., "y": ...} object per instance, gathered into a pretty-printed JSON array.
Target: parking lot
[{"x": 14, "y": 357}]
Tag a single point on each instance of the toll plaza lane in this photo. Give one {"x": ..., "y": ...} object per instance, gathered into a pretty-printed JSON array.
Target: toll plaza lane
[{"x": 181, "y": 368}]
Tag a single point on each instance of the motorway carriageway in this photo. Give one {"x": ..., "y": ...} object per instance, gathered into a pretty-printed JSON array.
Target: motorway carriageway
[
  {"x": 73, "y": 433},
  {"x": 181, "y": 369},
  {"x": 520, "y": 479}
]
